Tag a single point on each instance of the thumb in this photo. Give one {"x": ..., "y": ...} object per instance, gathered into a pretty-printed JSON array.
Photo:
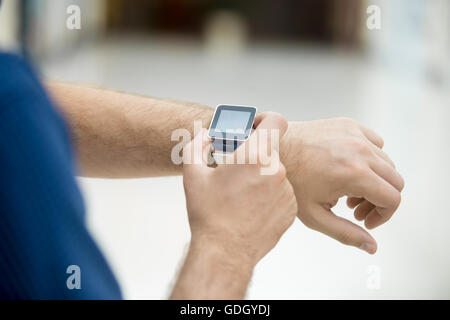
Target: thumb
[
  {"x": 343, "y": 230},
  {"x": 259, "y": 147},
  {"x": 195, "y": 153},
  {"x": 268, "y": 121},
  {"x": 271, "y": 120}
]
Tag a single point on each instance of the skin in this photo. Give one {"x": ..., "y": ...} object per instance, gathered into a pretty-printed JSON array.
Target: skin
[
  {"x": 119, "y": 135},
  {"x": 339, "y": 157},
  {"x": 227, "y": 239}
]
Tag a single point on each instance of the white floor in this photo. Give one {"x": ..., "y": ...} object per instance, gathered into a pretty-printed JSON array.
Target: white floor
[{"x": 141, "y": 224}]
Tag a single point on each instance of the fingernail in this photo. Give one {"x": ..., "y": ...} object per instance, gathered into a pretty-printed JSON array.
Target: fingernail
[{"x": 368, "y": 247}]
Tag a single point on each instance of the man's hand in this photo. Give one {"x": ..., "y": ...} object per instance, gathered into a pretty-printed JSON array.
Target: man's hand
[
  {"x": 329, "y": 159},
  {"x": 119, "y": 135},
  {"x": 236, "y": 214}
]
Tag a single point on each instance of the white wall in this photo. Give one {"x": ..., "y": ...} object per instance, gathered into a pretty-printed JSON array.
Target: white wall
[
  {"x": 414, "y": 37},
  {"x": 9, "y": 11},
  {"x": 49, "y": 34}
]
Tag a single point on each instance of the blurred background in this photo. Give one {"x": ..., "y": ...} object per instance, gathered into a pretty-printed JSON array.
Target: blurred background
[{"x": 308, "y": 59}]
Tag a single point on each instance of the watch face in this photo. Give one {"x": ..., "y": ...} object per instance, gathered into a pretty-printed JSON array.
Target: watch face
[{"x": 232, "y": 122}]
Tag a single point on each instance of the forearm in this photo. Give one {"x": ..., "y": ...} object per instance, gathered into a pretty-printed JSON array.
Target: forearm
[
  {"x": 210, "y": 273},
  {"x": 120, "y": 135}
]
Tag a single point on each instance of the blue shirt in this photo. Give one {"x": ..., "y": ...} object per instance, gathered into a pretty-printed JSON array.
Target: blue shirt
[{"x": 42, "y": 215}]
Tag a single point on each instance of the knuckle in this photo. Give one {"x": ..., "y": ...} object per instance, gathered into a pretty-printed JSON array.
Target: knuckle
[
  {"x": 274, "y": 174},
  {"x": 350, "y": 169},
  {"x": 397, "y": 199},
  {"x": 294, "y": 209},
  {"x": 381, "y": 141},
  {"x": 359, "y": 146},
  {"x": 402, "y": 184},
  {"x": 291, "y": 191},
  {"x": 358, "y": 170},
  {"x": 280, "y": 174},
  {"x": 289, "y": 221},
  {"x": 289, "y": 197},
  {"x": 350, "y": 156}
]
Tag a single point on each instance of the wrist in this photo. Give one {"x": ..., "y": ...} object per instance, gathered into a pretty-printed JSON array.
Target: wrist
[
  {"x": 223, "y": 252},
  {"x": 291, "y": 145},
  {"x": 211, "y": 273}
]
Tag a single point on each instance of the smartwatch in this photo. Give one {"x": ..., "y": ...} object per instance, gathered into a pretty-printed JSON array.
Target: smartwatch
[{"x": 230, "y": 127}]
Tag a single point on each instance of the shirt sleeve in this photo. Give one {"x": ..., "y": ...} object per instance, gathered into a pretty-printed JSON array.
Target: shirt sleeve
[{"x": 42, "y": 215}]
